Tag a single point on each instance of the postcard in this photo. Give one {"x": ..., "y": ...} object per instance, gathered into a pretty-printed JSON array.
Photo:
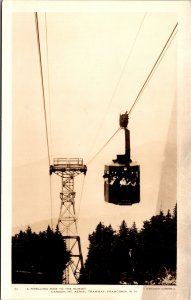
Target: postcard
[{"x": 96, "y": 150}]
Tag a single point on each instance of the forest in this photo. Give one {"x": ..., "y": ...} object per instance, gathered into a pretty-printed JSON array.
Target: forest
[
  {"x": 131, "y": 256},
  {"x": 39, "y": 258},
  {"x": 127, "y": 256}
]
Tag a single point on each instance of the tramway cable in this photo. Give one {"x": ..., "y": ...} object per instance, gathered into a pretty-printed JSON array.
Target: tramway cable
[
  {"x": 42, "y": 83},
  {"x": 153, "y": 68},
  {"x": 120, "y": 77},
  {"x": 44, "y": 101},
  {"x": 97, "y": 153},
  {"x": 170, "y": 38}
]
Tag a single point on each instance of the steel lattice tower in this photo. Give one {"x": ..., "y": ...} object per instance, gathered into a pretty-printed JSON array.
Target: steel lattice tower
[{"x": 67, "y": 169}]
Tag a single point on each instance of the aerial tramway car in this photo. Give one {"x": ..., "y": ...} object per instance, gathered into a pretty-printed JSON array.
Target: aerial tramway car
[{"x": 122, "y": 177}]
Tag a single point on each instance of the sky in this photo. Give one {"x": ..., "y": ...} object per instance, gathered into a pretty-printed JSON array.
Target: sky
[{"x": 91, "y": 74}]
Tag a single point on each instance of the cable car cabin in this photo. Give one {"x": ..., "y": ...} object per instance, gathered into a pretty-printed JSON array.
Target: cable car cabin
[
  {"x": 122, "y": 177},
  {"x": 122, "y": 184}
]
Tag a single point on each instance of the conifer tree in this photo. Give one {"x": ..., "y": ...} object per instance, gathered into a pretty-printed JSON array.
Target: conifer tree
[{"x": 99, "y": 263}]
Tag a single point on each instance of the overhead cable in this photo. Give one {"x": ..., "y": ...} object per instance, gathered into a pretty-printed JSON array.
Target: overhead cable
[
  {"x": 143, "y": 86},
  {"x": 42, "y": 82},
  {"x": 44, "y": 102},
  {"x": 98, "y": 152},
  {"x": 125, "y": 65},
  {"x": 120, "y": 77},
  {"x": 153, "y": 68}
]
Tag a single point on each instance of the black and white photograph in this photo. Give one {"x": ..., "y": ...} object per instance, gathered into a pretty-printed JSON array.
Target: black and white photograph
[{"x": 95, "y": 150}]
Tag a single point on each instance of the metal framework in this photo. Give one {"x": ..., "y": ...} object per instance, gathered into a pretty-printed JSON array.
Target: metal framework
[{"x": 67, "y": 169}]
